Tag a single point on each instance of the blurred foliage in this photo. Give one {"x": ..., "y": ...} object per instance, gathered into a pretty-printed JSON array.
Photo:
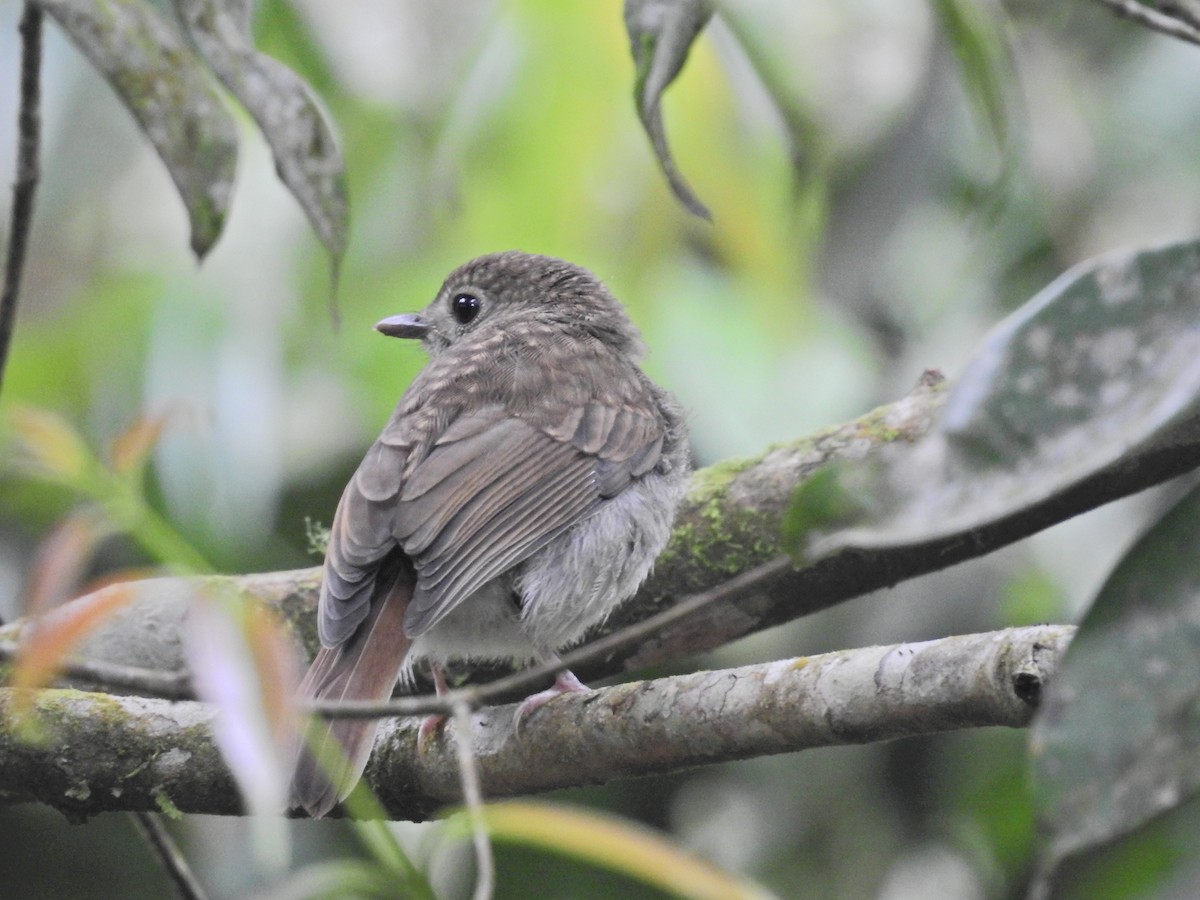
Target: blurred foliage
[{"x": 816, "y": 294}]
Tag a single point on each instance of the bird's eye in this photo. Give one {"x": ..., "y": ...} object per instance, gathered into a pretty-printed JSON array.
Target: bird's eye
[{"x": 465, "y": 307}]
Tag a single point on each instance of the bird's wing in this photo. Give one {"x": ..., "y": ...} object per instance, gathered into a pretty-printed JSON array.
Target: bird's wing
[
  {"x": 359, "y": 541},
  {"x": 496, "y": 486},
  {"x": 467, "y": 495}
]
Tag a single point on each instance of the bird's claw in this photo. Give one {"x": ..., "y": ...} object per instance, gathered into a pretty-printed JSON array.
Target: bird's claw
[{"x": 565, "y": 683}]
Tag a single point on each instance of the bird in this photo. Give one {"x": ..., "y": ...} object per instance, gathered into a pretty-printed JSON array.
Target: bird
[{"x": 518, "y": 494}]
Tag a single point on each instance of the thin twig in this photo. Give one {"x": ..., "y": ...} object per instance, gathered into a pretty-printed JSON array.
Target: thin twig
[
  {"x": 153, "y": 682},
  {"x": 169, "y": 855},
  {"x": 28, "y": 137},
  {"x": 1153, "y": 19},
  {"x": 472, "y": 789},
  {"x": 476, "y": 696}
]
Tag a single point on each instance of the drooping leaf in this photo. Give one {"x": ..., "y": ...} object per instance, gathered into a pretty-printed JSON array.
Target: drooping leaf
[
  {"x": 1117, "y": 738},
  {"x": 661, "y": 33},
  {"x": 306, "y": 152},
  {"x": 143, "y": 57},
  {"x": 621, "y": 846},
  {"x": 1100, "y": 363}
]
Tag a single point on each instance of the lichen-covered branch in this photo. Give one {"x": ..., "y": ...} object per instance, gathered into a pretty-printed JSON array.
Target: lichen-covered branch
[
  {"x": 84, "y": 753},
  {"x": 96, "y": 752}
]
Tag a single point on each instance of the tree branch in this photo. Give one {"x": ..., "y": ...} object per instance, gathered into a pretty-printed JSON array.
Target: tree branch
[
  {"x": 25, "y": 186},
  {"x": 101, "y": 752},
  {"x": 1169, "y": 21}
]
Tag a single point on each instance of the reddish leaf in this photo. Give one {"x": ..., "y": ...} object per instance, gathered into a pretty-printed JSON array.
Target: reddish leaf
[
  {"x": 130, "y": 449},
  {"x": 278, "y": 671},
  {"x": 47, "y": 642},
  {"x": 61, "y": 559}
]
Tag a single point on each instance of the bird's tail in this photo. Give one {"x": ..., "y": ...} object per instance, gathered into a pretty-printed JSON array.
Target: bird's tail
[{"x": 334, "y": 753}]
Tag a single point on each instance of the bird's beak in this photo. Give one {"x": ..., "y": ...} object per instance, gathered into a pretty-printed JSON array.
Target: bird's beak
[{"x": 405, "y": 325}]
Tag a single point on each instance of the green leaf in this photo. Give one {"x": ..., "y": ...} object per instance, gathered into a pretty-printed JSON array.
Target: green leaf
[
  {"x": 661, "y": 33},
  {"x": 341, "y": 879},
  {"x": 820, "y": 503},
  {"x": 166, "y": 87},
  {"x": 306, "y": 151},
  {"x": 979, "y": 45},
  {"x": 621, "y": 846},
  {"x": 1117, "y": 739},
  {"x": 1100, "y": 363}
]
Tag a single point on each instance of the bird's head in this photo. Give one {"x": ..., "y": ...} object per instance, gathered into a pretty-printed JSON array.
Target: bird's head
[{"x": 517, "y": 292}]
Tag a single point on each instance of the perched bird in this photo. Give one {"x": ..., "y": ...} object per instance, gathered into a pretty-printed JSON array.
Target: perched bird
[{"x": 519, "y": 493}]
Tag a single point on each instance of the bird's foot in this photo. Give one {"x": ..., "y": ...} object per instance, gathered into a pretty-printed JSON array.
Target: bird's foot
[
  {"x": 565, "y": 683},
  {"x": 430, "y": 727}
]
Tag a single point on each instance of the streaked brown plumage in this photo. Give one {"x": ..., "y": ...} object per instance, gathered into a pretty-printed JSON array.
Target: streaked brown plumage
[{"x": 520, "y": 491}]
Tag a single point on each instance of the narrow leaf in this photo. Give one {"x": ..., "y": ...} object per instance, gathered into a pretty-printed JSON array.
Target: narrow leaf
[
  {"x": 621, "y": 846},
  {"x": 250, "y": 688},
  {"x": 979, "y": 45},
  {"x": 62, "y": 558},
  {"x": 661, "y": 33},
  {"x": 1100, "y": 363},
  {"x": 338, "y": 879},
  {"x": 306, "y": 153},
  {"x": 1117, "y": 738},
  {"x": 142, "y": 56},
  {"x": 46, "y": 643},
  {"x": 132, "y": 447},
  {"x": 49, "y": 446},
  {"x": 277, "y": 671}
]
